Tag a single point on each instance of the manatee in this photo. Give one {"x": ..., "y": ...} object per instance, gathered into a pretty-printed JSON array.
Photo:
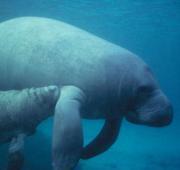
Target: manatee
[
  {"x": 21, "y": 111},
  {"x": 99, "y": 80}
]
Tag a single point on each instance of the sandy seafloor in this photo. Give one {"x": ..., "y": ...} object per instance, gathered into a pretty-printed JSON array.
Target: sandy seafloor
[{"x": 151, "y": 29}]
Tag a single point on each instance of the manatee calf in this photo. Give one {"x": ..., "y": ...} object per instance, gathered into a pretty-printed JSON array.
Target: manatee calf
[
  {"x": 100, "y": 79},
  {"x": 21, "y": 111}
]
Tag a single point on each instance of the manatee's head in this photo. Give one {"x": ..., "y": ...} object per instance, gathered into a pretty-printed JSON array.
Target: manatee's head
[
  {"x": 47, "y": 95},
  {"x": 44, "y": 99},
  {"x": 38, "y": 104},
  {"x": 149, "y": 105}
]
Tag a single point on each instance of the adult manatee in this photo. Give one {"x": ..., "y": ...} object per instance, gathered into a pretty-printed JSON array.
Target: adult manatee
[{"x": 103, "y": 81}]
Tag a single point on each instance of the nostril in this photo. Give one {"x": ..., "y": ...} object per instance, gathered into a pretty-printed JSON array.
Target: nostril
[{"x": 166, "y": 118}]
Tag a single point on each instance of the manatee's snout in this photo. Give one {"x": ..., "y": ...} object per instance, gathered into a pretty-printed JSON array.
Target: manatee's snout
[
  {"x": 163, "y": 118},
  {"x": 47, "y": 95},
  {"x": 155, "y": 110},
  {"x": 51, "y": 93}
]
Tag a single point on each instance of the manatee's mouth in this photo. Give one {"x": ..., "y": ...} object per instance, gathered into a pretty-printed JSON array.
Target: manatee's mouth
[
  {"x": 153, "y": 109},
  {"x": 151, "y": 117},
  {"x": 158, "y": 118}
]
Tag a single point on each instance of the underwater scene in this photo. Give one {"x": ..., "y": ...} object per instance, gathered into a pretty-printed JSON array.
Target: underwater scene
[{"x": 59, "y": 55}]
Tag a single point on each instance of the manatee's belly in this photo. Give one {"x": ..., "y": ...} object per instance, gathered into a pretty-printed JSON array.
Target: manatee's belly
[
  {"x": 9, "y": 129},
  {"x": 96, "y": 109},
  {"x": 93, "y": 115}
]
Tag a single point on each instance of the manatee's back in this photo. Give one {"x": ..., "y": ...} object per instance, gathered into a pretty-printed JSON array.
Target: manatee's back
[{"x": 43, "y": 51}]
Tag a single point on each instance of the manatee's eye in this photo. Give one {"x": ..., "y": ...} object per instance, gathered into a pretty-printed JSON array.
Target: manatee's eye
[
  {"x": 143, "y": 92},
  {"x": 144, "y": 89}
]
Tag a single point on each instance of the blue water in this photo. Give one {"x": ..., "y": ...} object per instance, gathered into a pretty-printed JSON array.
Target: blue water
[{"x": 150, "y": 29}]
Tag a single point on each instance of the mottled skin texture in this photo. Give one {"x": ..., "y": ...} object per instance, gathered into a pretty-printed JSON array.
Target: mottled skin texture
[
  {"x": 21, "y": 111},
  {"x": 114, "y": 81},
  {"x": 50, "y": 52}
]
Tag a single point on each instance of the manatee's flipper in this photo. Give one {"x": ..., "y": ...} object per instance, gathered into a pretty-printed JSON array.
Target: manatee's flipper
[
  {"x": 15, "y": 154},
  {"x": 104, "y": 139},
  {"x": 67, "y": 130}
]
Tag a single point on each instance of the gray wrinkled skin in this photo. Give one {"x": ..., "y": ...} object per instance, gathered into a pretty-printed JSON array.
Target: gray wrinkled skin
[
  {"x": 21, "y": 111},
  {"x": 42, "y": 51},
  {"x": 36, "y": 52}
]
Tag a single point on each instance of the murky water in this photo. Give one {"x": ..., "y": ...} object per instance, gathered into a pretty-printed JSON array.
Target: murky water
[{"x": 150, "y": 29}]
